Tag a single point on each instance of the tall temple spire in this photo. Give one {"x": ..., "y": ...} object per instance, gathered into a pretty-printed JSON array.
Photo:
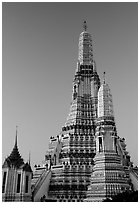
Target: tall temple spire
[
  {"x": 86, "y": 80},
  {"x": 75, "y": 155}
]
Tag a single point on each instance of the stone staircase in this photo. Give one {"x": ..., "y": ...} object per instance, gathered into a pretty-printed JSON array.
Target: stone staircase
[
  {"x": 36, "y": 174},
  {"x": 40, "y": 183}
]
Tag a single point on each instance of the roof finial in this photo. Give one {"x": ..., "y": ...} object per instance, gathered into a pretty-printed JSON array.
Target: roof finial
[
  {"x": 85, "y": 25},
  {"x": 29, "y": 157},
  {"x": 16, "y": 137},
  {"x": 104, "y": 78}
]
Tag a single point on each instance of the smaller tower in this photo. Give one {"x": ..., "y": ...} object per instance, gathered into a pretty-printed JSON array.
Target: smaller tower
[
  {"x": 108, "y": 177},
  {"x": 16, "y": 184}
]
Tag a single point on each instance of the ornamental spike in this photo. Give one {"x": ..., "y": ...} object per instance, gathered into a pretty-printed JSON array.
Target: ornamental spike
[
  {"x": 104, "y": 78},
  {"x": 29, "y": 157},
  {"x": 16, "y": 137},
  {"x": 85, "y": 26}
]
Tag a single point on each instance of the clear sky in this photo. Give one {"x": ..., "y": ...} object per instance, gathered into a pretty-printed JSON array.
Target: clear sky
[{"x": 40, "y": 52}]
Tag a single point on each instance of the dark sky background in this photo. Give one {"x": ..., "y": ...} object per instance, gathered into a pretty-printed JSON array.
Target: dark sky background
[{"x": 40, "y": 52}]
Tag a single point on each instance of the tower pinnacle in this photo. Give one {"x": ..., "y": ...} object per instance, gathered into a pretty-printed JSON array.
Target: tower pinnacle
[
  {"x": 29, "y": 157},
  {"x": 85, "y": 55},
  {"x": 85, "y": 26},
  {"x": 104, "y": 78},
  {"x": 16, "y": 137},
  {"x": 105, "y": 102}
]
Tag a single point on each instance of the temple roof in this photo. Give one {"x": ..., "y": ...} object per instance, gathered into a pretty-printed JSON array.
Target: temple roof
[
  {"x": 15, "y": 159},
  {"x": 27, "y": 167}
]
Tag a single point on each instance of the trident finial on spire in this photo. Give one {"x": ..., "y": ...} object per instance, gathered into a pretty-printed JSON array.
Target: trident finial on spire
[
  {"x": 85, "y": 25},
  {"x": 29, "y": 157},
  {"x": 104, "y": 78},
  {"x": 16, "y": 137}
]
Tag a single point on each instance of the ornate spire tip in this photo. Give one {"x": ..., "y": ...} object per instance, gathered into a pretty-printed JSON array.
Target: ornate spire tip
[
  {"x": 16, "y": 136},
  {"x": 104, "y": 78},
  {"x": 29, "y": 157},
  {"x": 85, "y": 25}
]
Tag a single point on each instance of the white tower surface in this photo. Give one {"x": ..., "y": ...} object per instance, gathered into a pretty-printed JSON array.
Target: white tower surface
[{"x": 105, "y": 102}]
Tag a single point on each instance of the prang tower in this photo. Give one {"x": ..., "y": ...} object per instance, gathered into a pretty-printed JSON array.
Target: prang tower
[{"x": 73, "y": 164}]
